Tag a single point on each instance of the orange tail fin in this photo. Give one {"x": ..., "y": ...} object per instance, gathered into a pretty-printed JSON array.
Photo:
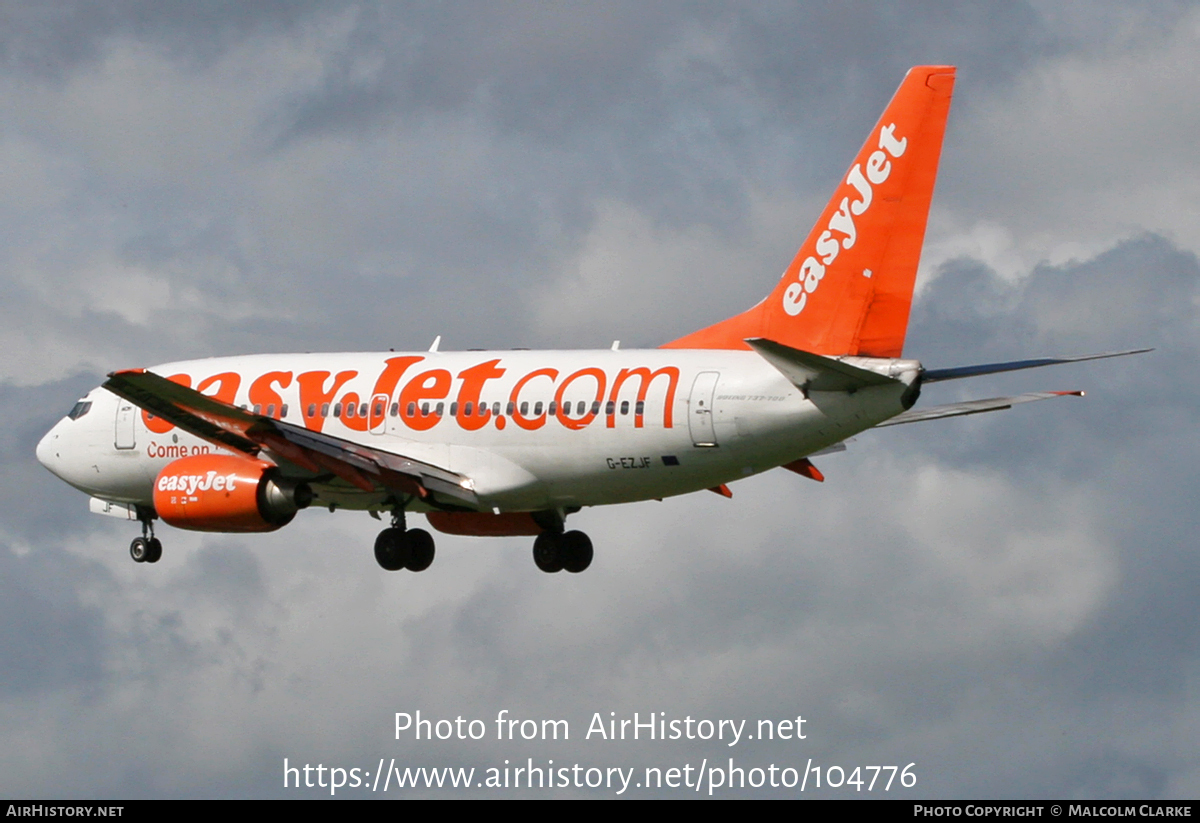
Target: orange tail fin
[{"x": 849, "y": 289}]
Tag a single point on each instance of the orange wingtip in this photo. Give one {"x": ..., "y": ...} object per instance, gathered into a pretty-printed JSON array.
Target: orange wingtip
[
  {"x": 126, "y": 371},
  {"x": 1066, "y": 393},
  {"x": 722, "y": 490}
]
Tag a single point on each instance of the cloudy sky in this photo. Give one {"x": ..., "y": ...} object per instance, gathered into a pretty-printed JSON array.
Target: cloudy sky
[{"x": 1006, "y": 601}]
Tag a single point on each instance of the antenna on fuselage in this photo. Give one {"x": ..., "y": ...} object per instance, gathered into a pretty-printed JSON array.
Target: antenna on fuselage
[
  {"x": 616, "y": 346},
  {"x": 436, "y": 342}
]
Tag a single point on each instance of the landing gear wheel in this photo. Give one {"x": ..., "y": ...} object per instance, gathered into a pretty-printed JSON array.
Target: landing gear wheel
[
  {"x": 576, "y": 551},
  {"x": 391, "y": 549},
  {"x": 139, "y": 549},
  {"x": 547, "y": 552},
  {"x": 153, "y": 550},
  {"x": 420, "y": 549}
]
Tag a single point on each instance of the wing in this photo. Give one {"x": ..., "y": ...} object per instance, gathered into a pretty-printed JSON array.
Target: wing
[
  {"x": 973, "y": 407},
  {"x": 233, "y": 428}
]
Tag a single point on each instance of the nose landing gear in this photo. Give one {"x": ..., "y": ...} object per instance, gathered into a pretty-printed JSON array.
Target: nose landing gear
[{"x": 147, "y": 548}]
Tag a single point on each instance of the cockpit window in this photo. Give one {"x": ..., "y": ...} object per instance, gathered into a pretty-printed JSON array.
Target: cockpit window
[{"x": 81, "y": 408}]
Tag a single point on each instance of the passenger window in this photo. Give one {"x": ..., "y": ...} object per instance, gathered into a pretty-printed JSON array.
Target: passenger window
[
  {"x": 624, "y": 407},
  {"x": 412, "y": 410},
  {"x": 537, "y": 409},
  {"x": 596, "y": 407},
  {"x": 283, "y": 410},
  {"x": 524, "y": 408},
  {"x": 580, "y": 407},
  {"x": 610, "y": 407},
  {"x": 349, "y": 410},
  {"x": 553, "y": 407},
  {"x": 312, "y": 409},
  {"x": 439, "y": 409},
  {"x": 424, "y": 409},
  {"x": 257, "y": 408},
  {"x": 395, "y": 409},
  {"x": 511, "y": 407},
  {"x": 324, "y": 409},
  {"x": 482, "y": 410},
  {"x": 454, "y": 409},
  {"x": 495, "y": 409},
  {"x": 468, "y": 407},
  {"x": 641, "y": 407},
  {"x": 337, "y": 409},
  {"x": 362, "y": 410},
  {"x": 271, "y": 410}
]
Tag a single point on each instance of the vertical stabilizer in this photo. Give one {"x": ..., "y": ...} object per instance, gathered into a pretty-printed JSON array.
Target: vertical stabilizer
[{"x": 849, "y": 289}]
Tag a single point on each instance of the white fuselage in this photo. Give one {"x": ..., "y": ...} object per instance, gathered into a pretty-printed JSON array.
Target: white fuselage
[{"x": 624, "y": 425}]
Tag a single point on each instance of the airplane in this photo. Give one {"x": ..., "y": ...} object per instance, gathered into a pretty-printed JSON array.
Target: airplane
[{"x": 513, "y": 442}]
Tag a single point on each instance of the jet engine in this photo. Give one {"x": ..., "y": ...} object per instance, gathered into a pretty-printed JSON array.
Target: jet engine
[{"x": 225, "y": 493}]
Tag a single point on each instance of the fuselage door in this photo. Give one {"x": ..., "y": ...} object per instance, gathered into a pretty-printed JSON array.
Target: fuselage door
[
  {"x": 123, "y": 435},
  {"x": 377, "y": 418},
  {"x": 700, "y": 409}
]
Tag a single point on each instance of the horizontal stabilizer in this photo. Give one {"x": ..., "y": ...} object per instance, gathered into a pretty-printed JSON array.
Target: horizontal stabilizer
[
  {"x": 973, "y": 407},
  {"x": 815, "y": 372},
  {"x": 239, "y": 430},
  {"x": 934, "y": 375}
]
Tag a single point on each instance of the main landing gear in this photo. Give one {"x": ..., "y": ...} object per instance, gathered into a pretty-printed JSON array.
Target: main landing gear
[
  {"x": 147, "y": 548},
  {"x": 399, "y": 547},
  {"x": 555, "y": 551}
]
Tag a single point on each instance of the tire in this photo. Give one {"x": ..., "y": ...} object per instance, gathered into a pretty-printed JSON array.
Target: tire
[
  {"x": 391, "y": 550},
  {"x": 547, "y": 552},
  {"x": 153, "y": 550},
  {"x": 420, "y": 549},
  {"x": 576, "y": 550},
  {"x": 139, "y": 549}
]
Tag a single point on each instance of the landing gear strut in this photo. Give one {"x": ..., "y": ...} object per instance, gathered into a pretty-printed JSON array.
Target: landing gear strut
[
  {"x": 147, "y": 548},
  {"x": 399, "y": 547},
  {"x": 554, "y": 552}
]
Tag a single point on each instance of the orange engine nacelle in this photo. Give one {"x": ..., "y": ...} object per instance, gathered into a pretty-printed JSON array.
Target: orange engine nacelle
[
  {"x": 223, "y": 493},
  {"x": 484, "y": 524}
]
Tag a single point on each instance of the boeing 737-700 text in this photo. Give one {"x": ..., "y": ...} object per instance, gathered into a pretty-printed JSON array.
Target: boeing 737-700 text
[{"x": 511, "y": 443}]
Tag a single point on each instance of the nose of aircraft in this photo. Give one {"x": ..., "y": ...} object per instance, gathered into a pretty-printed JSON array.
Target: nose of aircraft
[{"x": 47, "y": 449}]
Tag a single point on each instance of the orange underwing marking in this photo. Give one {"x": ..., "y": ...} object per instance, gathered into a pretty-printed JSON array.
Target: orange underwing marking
[
  {"x": 722, "y": 490},
  {"x": 805, "y": 468}
]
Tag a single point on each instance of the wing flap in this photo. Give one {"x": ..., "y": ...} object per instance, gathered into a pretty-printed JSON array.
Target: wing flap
[
  {"x": 973, "y": 407},
  {"x": 233, "y": 428}
]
